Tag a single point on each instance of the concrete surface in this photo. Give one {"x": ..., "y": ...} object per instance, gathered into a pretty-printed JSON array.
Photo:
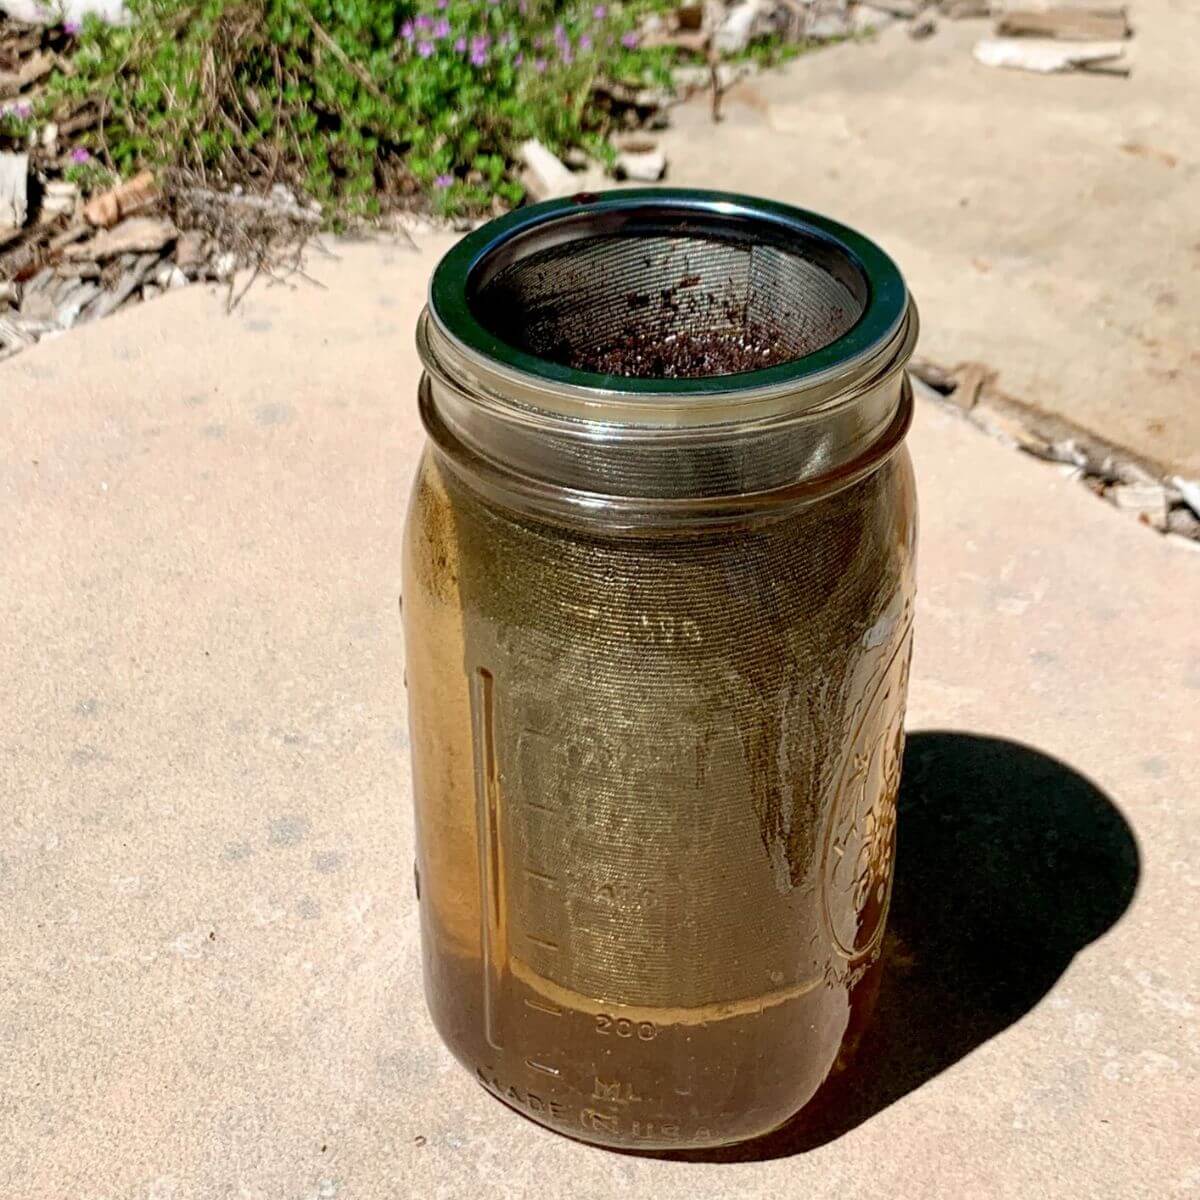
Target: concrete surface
[
  {"x": 1047, "y": 224},
  {"x": 209, "y": 980}
]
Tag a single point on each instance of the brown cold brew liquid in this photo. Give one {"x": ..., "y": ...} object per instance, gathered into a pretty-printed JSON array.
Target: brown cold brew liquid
[{"x": 655, "y": 793}]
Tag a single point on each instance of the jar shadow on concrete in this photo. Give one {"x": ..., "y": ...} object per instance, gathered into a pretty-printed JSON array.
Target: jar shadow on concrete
[{"x": 1009, "y": 863}]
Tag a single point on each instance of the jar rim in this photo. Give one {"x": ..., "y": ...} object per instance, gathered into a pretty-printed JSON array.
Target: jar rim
[{"x": 886, "y": 301}]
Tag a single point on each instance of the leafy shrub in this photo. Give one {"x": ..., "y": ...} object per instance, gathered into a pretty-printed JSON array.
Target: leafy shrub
[{"x": 361, "y": 104}]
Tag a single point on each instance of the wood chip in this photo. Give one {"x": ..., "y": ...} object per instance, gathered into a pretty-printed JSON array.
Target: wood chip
[
  {"x": 648, "y": 166},
  {"x": 1009, "y": 428},
  {"x": 1048, "y": 57},
  {"x": 1148, "y": 501},
  {"x": 133, "y": 196},
  {"x": 1070, "y": 24},
  {"x": 137, "y": 235},
  {"x": 545, "y": 177}
]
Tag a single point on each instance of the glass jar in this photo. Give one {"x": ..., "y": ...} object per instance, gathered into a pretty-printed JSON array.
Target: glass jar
[{"x": 658, "y": 589}]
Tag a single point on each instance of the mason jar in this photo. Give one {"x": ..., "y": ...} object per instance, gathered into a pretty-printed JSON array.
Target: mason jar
[{"x": 658, "y": 597}]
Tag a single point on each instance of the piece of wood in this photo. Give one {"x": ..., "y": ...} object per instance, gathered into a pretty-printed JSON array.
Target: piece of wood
[
  {"x": 693, "y": 41},
  {"x": 108, "y": 302},
  {"x": 133, "y": 196},
  {"x": 1067, "y": 24},
  {"x": 82, "y": 118},
  {"x": 1045, "y": 56},
  {"x": 971, "y": 378},
  {"x": 14, "y": 183},
  {"x": 545, "y": 177},
  {"x": 31, "y": 70},
  {"x": 135, "y": 235},
  {"x": 73, "y": 234},
  {"x": 962, "y": 10}
]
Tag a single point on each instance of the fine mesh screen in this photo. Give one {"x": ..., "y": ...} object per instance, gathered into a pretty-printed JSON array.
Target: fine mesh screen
[{"x": 655, "y": 304}]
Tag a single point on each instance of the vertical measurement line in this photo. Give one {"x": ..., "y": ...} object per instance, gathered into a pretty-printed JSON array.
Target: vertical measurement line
[{"x": 493, "y": 918}]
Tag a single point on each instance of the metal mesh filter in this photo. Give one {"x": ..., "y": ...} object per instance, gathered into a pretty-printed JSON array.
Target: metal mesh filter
[{"x": 669, "y": 299}]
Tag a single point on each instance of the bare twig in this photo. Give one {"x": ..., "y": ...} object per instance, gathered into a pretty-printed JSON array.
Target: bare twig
[
  {"x": 714, "y": 70},
  {"x": 342, "y": 57},
  {"x": 233, "y": 301}
]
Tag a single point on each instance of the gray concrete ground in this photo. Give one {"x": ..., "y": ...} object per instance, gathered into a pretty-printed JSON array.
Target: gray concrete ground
[
  {"x": 1047, "y": 224},
  {"x": 209, "y": 974}
]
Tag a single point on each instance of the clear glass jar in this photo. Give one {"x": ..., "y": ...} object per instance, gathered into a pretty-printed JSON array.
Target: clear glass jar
[{"x": 658, "y": 586}]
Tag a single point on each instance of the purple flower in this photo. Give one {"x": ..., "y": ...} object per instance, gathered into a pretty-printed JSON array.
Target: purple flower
[
  {"x": 630, "y": 40},
  {"x": 424, "y": 49},
  {"x": 443, "y": 181},
  {"x": 80, "y": 155},
  {"x": 478, "y": 57},
  {"x": 539, "y": 65},
  {"x": 443, "y": 3},
  {"x": 24, "y": 110},
  {"x": 518, "y": 59},
  {"x": 481, "y": 41},
  {"x": 424, "y": 21},
  {"x": 560, "y": 35},
  {"x": 442, "y": 29},
  {"x": 567, "y": 57},
  {"x": 406, "y": 31},
  {"x": 585, "y": 43},
  {"x": 599, "y": 12},
  {"x": 460, "y": 44},
  {"x": 71, "y": 27},
  {"x": 522, "y": 7}
]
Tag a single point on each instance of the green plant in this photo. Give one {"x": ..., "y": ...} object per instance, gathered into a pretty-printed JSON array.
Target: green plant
[
  {"x": 358, "y": 103},
  {"x": 88, "y": 174}
]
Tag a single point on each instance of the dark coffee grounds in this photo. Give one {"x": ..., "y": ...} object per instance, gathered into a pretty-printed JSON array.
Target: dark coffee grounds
[{"x": 652, "y": 354}]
